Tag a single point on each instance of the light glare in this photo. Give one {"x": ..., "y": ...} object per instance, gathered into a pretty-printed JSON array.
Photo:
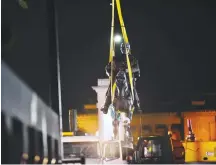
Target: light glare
[{"x": 117, "y": 38}]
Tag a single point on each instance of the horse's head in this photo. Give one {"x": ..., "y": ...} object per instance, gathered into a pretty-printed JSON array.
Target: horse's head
[{"x": 121, "y": 82}]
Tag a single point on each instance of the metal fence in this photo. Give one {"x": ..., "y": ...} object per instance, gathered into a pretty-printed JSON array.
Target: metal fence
[{"x": 30, "y": 128}]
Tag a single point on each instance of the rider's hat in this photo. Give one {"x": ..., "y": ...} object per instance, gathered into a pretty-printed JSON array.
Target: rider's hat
[{"x": 125, "y": 47}]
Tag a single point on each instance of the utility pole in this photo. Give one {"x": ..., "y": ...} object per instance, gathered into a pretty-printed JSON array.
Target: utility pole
[{"x": 54, "y": 64}]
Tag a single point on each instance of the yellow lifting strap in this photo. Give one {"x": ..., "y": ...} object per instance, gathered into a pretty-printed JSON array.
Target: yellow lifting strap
[
  {"x": 112, "y": 48},
  {"x": 126, "y": 42},
  {"x": 112, "y": 33}
]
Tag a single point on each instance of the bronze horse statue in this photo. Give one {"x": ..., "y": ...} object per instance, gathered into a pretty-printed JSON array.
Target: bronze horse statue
[{"x": 123, "y": 103}]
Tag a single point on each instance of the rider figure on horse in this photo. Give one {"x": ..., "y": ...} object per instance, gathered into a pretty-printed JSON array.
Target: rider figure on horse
[{"x": 118, "y": 63}]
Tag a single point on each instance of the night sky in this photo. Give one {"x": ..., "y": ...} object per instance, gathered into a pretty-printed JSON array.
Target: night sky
[{"x": 174, "y": 41}]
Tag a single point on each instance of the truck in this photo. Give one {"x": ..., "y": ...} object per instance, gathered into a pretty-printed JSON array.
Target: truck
[
  {"x": 30, "y": 127},
  {"x": 94, "y": 150},
  {"x": 158, "y": 149}
]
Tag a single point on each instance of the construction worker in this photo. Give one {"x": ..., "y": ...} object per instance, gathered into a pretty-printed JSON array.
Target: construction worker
[{"x": 120, "y": 62}]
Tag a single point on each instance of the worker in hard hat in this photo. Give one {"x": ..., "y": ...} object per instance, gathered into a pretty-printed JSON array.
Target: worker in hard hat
[{"x": 120, "y": 62}]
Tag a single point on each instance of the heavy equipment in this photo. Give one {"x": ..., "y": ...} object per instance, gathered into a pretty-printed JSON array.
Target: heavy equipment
[
  {"x": 196, "y": 150},
  {"x": 153, "y": 149}
]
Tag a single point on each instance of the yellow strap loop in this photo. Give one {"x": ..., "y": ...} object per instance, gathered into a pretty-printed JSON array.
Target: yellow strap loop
[
  {"x": 112, "y": 49},
  {"x": 124, "y": 33}
]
